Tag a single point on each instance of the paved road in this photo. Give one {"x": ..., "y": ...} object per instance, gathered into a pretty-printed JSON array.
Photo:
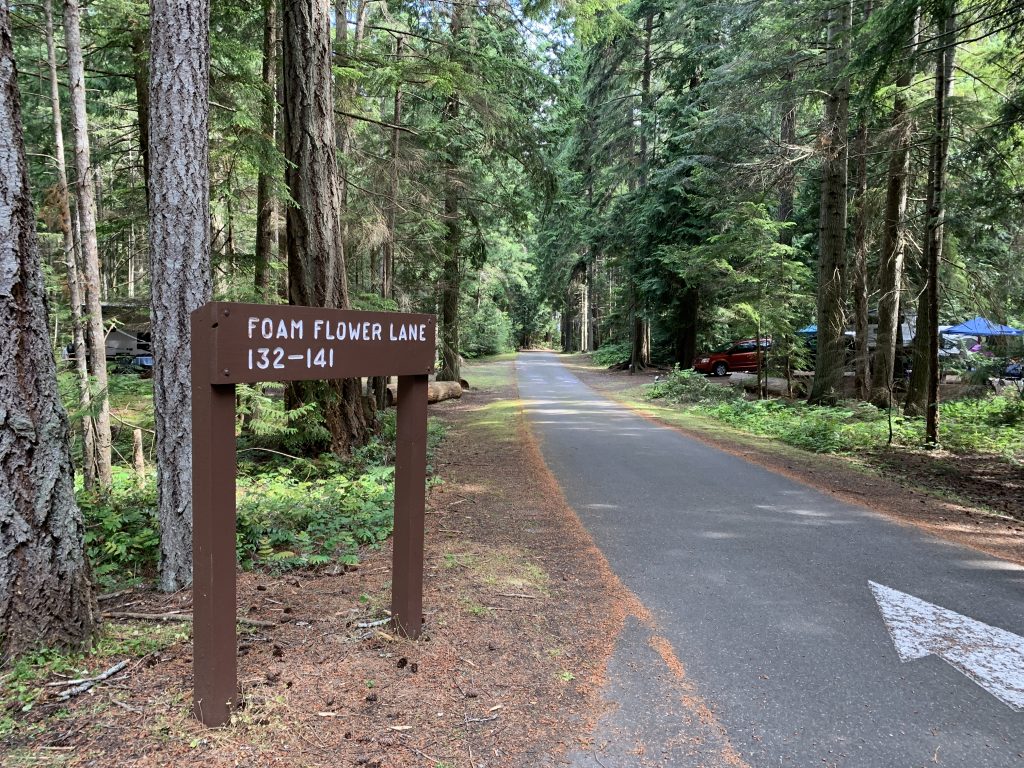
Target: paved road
[{"x": 761, "y": 586}]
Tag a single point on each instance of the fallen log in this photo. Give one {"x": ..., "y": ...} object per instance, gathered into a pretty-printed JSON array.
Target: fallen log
[{"x": 436, "y": 392}]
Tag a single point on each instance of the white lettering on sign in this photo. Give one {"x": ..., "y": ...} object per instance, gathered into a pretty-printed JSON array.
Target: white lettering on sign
[
  {"x": 266, "y": 328},
  {"x": 408, "y": 332},
  {"x": 323, "y": 331}
]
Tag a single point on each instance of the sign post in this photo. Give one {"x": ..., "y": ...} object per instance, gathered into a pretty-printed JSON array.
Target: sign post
[{"x": 245, "y": 343}]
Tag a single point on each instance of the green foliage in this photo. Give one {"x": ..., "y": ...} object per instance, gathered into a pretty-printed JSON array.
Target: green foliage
[
  {"x": 306, "y": 513},
  {"x": 689, "y": 387},
  {"x": 987, "y": 425},
  {"x": 486, "y": 331},
  {"x": 821, "y": 429},
  {"x": 121, "y": 534},
  {"x": 611, "y": 354},
  {"x": 264, "y": 420},
  {"x": 286, "y": 520},
  {"x": 292, "y": 512}
]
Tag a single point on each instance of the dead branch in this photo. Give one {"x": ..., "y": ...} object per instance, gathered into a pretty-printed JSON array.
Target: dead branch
[
  {"x": 84, "y": 684},
  {"x": 177, "y": 617}
]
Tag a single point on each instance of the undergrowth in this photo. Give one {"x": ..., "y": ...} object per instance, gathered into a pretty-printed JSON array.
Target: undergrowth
[
  {"x": 611, "y": 354},
  {"x": 293, "y": 512},
  {"x": 992, "y": 425}
]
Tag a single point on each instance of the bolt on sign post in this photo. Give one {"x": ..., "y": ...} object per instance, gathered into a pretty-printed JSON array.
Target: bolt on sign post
[{"x": 244, "y": 343}]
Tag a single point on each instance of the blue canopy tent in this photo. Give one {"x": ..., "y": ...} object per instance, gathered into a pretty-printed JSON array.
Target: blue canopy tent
[
  {"x": 808, "y": 330},
  {"x": 981, "y": 326}
]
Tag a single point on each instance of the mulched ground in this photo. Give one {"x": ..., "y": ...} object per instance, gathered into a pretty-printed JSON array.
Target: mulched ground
[
  {"x": 521, "y": 616},
  {"x": 947, "y": 495}
]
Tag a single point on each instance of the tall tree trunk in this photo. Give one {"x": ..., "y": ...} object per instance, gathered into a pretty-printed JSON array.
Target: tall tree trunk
[
  {"x": 640, "y": 347},
  {"x": 179, "y": 255},
  {"x": 282, "y": 287},
  {"x": 451, "y": 264},
  {"x": 266, "y": 201},
  {"x": 917, "y": 388},
  {"x": 71, "y": 265},
  {"x": 787, "y": 176},
  {"x": 862, "y": 356},
  {"x": 316, "y": 255},
  {"x": 890, "y": 267},
  {"x": 937, "y": 209},
  {"x": 584, "y": 311},
  {"x": 686, "y": 338},
  {"x": 387, "y": 259},
  {"x": 387, "y": 287},
  {"x": 828, "y": 370},
  {"x": 345, "y": 49},
  {"x": 45, "y": 595},
  {"x": 592, "y": 304},
  {"x": 140, "y": 71},
  {"x": 85, "y": 194}
]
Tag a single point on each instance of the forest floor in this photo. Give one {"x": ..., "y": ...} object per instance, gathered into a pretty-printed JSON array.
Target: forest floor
[
  {"x": 971, "y": 499},
  {"x": 508, "y": 671}
]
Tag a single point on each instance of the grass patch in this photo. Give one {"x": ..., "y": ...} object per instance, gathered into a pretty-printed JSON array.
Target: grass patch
[
  {"x": 490, "y": 373},
  {"x": 501, "y": 569}
]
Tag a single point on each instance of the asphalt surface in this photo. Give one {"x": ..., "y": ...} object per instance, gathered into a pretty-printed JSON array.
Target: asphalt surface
[{"x": 761, "y": 587}]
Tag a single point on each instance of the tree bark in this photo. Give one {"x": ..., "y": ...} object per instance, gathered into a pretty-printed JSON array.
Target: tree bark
[
  {"x": 179, "y": 255},
  {"x": 45, "y": 596},
  {"x": 71, "y": 265},
  {"x": 85, "y": 194},
  {"x": 315, "y": 251},
  {"x": 686, "y": 338},
  {"x": 828, "y": 370},
  {"x": 890, "y": 268},
  {"x": 345, "y": 94},
  {"x": 937, "y": 210},
  {"x": 862, "y": 356},
  {"x": 140, "y": 71},
  {"x": 451, "y": 264},
  {"x": 917, "y": 388},
  {"x": 640, "y": 348},
  {"x": 316, "y": 254},
  {"x": 387, "y": 288},
  {"x": 266, "y": 201},
  {"x": 387, "y": 259},
  {"x": 787, "y": 176}
]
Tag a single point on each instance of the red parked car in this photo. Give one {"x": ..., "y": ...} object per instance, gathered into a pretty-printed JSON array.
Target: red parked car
[{"x": 737, "y": 356}]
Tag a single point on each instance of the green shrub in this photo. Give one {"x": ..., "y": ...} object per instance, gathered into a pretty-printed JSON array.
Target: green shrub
[
  {"x": 611, "y": 354},
  {"x": 261, "y": 409},
  {"x": 121, "y": 534},
  {"x": 839, "y": 429},
  {"x": 291, "y": 512},
  {"x": 287, "y": 521},
  {"x": 990, "y": 425},
  {"x": 688, "y": 387}
]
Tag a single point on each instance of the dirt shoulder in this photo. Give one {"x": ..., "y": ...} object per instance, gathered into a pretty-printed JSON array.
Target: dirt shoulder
[
  {"x": 951, "y": 497},
  {"x": 521, "y": 616}
]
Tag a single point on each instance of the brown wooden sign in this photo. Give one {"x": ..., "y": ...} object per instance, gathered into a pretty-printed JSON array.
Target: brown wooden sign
[
  {"x": 243, "y": 343},
  {"x": 256, "y": 342}
]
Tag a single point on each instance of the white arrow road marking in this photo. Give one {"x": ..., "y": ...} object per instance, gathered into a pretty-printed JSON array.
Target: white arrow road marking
[{"x": 991, "y": 657}]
